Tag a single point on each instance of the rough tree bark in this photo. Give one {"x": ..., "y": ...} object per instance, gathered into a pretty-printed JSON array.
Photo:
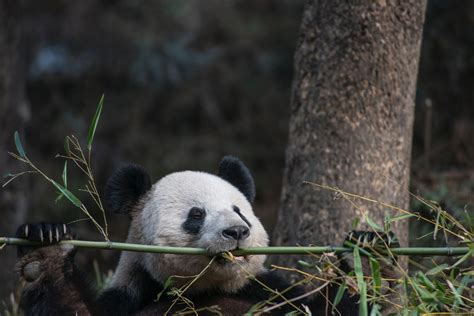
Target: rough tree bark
[
  {"x": 14, "y": 113},
  {"x": 351, "y": 121}
]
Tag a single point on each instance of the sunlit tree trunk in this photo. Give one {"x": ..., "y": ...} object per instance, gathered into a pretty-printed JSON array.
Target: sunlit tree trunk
[
  {"x": 351, "y": 119},
  {"x": 14, "y": 112}
]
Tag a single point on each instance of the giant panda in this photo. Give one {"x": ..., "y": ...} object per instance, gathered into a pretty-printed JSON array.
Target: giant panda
[{"x": 183, "y": 209}]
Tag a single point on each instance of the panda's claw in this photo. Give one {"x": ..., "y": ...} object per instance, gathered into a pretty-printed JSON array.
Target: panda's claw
[
  {"x": 369, "y": 239},
  {"x": 44, "y": 233}
]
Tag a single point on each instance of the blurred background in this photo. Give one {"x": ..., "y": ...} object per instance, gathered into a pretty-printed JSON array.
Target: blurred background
[{"x": 187, "y": 82}]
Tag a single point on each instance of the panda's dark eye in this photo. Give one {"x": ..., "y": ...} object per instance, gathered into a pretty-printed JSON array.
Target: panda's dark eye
[
  {"x": 196, "y": 213},
  {"x": 195, "y": 220}
]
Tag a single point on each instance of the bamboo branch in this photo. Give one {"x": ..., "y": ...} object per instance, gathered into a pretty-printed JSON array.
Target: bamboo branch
[{"x": 408, "y": 251}]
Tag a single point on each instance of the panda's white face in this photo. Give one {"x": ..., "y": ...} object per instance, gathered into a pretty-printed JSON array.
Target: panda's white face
[{"x": 197, "y": 209}]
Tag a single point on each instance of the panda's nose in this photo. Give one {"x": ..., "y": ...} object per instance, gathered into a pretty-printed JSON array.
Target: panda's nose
[{"x": 236, "y": 232}]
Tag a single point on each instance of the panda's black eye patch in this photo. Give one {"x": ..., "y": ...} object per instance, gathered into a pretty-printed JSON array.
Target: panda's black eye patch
[
  {"x": 196, "y": 213},
  {"x": 195, "y": 220},
  {"x": 237, "y": 210}
]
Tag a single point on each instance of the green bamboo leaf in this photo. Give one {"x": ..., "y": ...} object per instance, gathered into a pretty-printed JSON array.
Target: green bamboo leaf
[
  {"x": 398, "y": 218},
  {"x": 309, "y": 265},
  {"x": 169, "y": 281},
  {"x": 355, "y": 223},
  {"x": 376, "y": 310},
  {"x": 377, "y": 277},
  {"x": 437, "y": 269},
  {"x": 425, "y": 295},
  {"x": 464, "y": 284},
  {"x": 469, "y": 218},
  {"x": 339, "y": 295},
  {"x": 439, "y": 286},
  {"x": 435, "y": 232},
  {"x": 58, "y": 198},
  {"x": 68, "y": 194},
  {"x": 427, "y": 282},
  {"x": 387, "y": 224},
  {"x": 305, "y": 264},
  {"x": 453, "y": 273},
  {"x": 457, "y": 292},
  {"x": 358, "y": 265},
  {"x": 65, "y": 174},
  {"x": 373, "y": 224},
  {"x": 360, "y": 283},
  {"x": 66, "y": 146},
  {"x": 95, "y": 121},
  {"x": 469, "y": 254},
  {"x": 363, "y": 308},
  {"x": 18, "y": 145}
]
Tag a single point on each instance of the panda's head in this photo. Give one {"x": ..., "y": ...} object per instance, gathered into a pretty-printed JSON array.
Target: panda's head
[{"x": 192, "y": 209}]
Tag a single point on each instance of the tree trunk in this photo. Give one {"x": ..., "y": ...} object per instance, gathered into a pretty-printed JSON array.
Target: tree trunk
[
  {"x": 351, "y": 119},
  {"x": 14, "y": 112}
]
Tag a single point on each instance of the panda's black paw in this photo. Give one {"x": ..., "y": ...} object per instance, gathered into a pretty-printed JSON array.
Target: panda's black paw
[
  {"x": 44, "y": 233},
  {"x": 374, "y": 244},
  {"x": 372, "y": 240}
]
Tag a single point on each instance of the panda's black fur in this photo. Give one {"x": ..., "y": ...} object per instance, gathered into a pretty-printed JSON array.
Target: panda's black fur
[
  {"x": 56, "y": 286},
  {"x": 235, "y": 172},
  {"x": 125, "y": 187}
]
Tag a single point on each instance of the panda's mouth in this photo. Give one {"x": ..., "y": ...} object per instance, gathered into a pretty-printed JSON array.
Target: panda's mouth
[{"x": 225, "y": 258}]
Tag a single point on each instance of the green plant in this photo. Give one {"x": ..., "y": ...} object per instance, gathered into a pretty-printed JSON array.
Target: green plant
[{"x": 82, "y": 160}]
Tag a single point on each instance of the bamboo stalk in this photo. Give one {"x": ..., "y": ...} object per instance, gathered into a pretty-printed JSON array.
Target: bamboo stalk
[{"x": 409, "y": 251}]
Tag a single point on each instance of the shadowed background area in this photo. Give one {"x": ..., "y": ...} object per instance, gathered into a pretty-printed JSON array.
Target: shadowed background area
[{"x": 187, "y": 82}]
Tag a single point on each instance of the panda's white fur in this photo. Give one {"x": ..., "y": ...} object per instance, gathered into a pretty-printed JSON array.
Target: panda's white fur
[{"x": 158, "y": 220}]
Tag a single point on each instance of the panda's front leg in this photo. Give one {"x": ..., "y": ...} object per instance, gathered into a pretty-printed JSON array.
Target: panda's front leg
[
  {"x": 376, "y": 244},
  {"x": 53, "y": 283}
]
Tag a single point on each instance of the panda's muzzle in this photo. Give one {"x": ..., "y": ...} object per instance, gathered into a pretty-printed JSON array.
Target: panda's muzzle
[
  {"x": 232, "y": 236},
  {"x": 236, "y": 232}
]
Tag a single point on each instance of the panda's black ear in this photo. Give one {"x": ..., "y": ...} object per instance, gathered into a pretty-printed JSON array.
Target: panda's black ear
[
  {"x": 233, "y": 170},
  {"x": 125, "y": 187}
]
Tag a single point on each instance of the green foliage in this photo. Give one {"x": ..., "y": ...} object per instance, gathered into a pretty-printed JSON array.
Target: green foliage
[
  {"x": 340, "y": 293},
  {"x": 75, "y": 154},
  {"x": 19, "y": 146},
  {"x": 168, "y": 283},
  {"x": 68, "y": 194},
  {"x": 95, "y": 121},
  {"x": 440, "y": 293},
  {"x": 361, "y": 283}
]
